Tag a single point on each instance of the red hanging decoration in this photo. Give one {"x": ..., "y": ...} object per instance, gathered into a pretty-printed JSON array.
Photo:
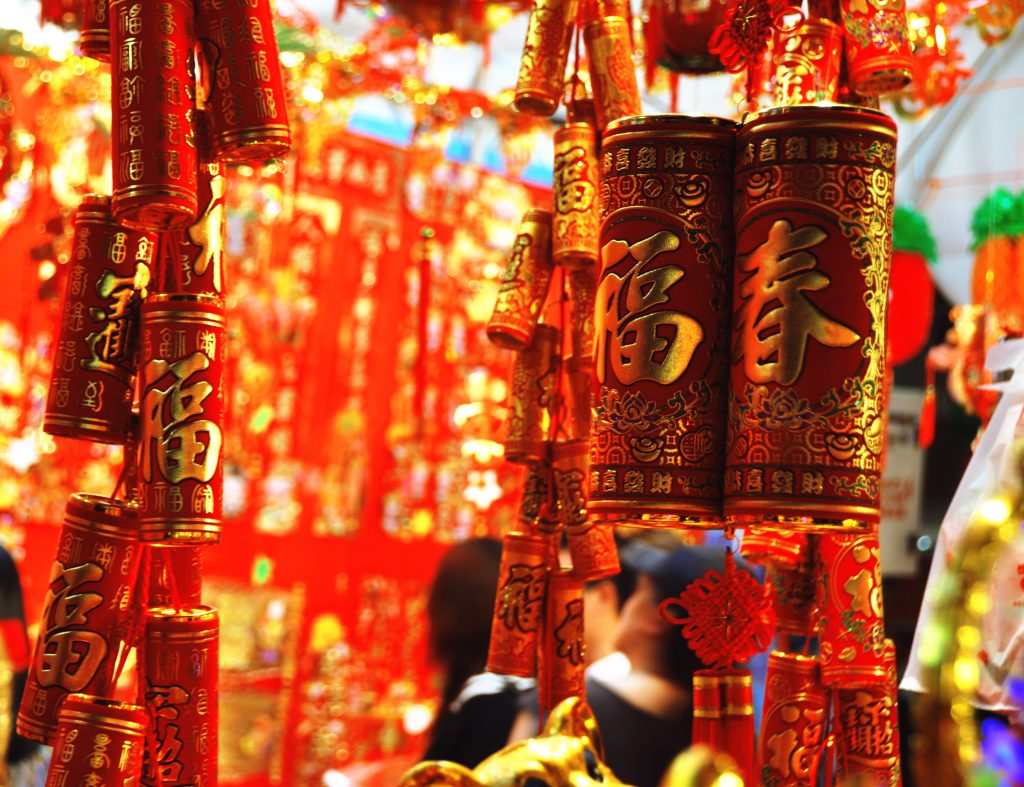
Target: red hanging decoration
[
  {"x": 519, "y": 605},
  {"x": 726, "y": 617},
  {"x": 94, "y": 40},
  {"x": 203, "y": 243},
  {"x": 524, "y": 284},
  {"x": 792, "y": 721},
  {"x": 180, "y": 689},
  {"x": 99, "y": 742},
  {"x": 742, "y": 39},
  {"x": 723, "y": 714},
  {"x": 561, "y": 664},
  {"x": 533, "y": 397}
]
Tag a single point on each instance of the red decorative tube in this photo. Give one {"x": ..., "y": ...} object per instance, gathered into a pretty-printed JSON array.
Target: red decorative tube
[
  {"x": 723, "y": 714},
  {"x": 545, "y": 55},
  {"x": 94, "y": 40},
  {"x": 682, "y": 32},
  {"x": 562, "y": 664},
  {"x": 582, "y": 292},
  {"x": 247, "y": 102},
  {"x": 181, "y": 650},
  {"x": 852, "y": 629},
  {"x": 794, "y": 602},
  {"x": 770, "y": 546},
  {"x": 524, "y": 285},
  {"x": 533, "y": 395},
  {"x": 202, "y": 244},
  {"x": 807, "y": 62},
  {"x": 868, "y": 727},
  {"x": 878, "y": 55},
  {"x": 519, "y": 605},
  {"x": 814, "y": 207},
  {"x": 792, "y": 721},
  {"x": 100, "y": 741},
  {"x": 538, "y": 504},
  {"x": 613, "y": 75},
  {"x": 661, "y": 353},
  {"x": 574, "y": 234},
  {"x": 592, "y": 547},
  {"x": 175, "y": 575},
  {"x": 90, "y": 394},
  {"x": 181, "y": 366},
  {"x": 91, "y": 587},
  {"x": 153, "y": 93}
]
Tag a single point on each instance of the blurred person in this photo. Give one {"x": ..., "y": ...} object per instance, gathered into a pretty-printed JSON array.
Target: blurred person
[{"x": 477, "y": 707}]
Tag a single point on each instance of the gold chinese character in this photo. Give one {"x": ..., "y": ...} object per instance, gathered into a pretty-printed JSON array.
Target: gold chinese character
[
  {"x": 572, "y": 189},
  {"x": 796, "y": 148},
  {"x": 130, "y": 92},
  {"x": 826, "y": 147},
  {"x": 633, "y": 482},
  {"x": 647, "y": 158},
  {"x": 180, "y": 453},
  {"x": 776, "y": 318},
  {"x": 630, "y": 332},
  {"x": 769, "y": 149},
  {"x": 661, "y": 483},
  {"x": 69, "y": 658},
  {"x": 266, "y": 106},
  {"x": 675, "y": 158},
  {"x": 569, "y": 633},
  {"x": 520, "y": 598}
]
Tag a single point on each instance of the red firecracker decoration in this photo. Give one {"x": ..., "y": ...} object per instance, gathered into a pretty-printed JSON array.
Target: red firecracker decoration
[
  {"x": 545, "y": 55},
  {"x": 878, "y": 57},
  {"x": 153, "y": 94},
  {"x": 533, "y": 397},
  {"x": 247, "y": 105},
  {"x": 519, "y": 605},
  {"x": 202, "y": 244},
  {"x": 613, "y": 75},
  {"x": 524, "y": 285},
  {"x": 742, "y": 39},
  {"x": 85, "y": 615},
  {"x": 662, "y": 321},
  {"x": 90, "y": 395},
  {"x": 792, "y": 721},
  {"x": 561, "y": 664},
  {"x": 94, "y": 40},
  {"x": 99, "y": 742},
  {"x": 181, "y": 369},
  {"x": 574, "y": 232},
  {"x": 770, "y": 546},
  {"x": 807, "y": 60},
  {"x": 180, "y": 689}
]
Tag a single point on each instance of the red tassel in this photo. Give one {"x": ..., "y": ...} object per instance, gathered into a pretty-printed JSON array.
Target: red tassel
[
  {"x": 926, "y": 430},
  {"x": 723, "y": 715}
]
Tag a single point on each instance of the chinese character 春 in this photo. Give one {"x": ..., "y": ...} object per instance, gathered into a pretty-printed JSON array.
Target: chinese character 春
[{"x": 776, "y": 318}]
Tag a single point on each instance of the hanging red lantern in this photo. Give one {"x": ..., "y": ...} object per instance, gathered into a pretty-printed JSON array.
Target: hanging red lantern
[{"x": 911, "y": 291}]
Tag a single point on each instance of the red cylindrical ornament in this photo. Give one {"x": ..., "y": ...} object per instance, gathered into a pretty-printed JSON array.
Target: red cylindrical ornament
[
  {"x": 683, "y": 29},
  {"x": 247, "y": 103},
  {"x": 524, "y": 285},
  {"x": 181, "y": 651},
  {"x": 153, "y": 92},
  {"x": 852, "y": 629},
  {"x": 538, "y": 496},
  {"x": 574, "y": 232},
  {"x": 794, "y": 601},
  {"x": 533, "y": 394},
  {"x": 878, "y": 55},
  {"x": 807, "y": 61},
  {"x": 612, "y": 73},
  {"x": 562, "y": 663},
  {"x": 175, "y": 575},
  {"x": 91, "y": 587},
  {"x": 582, "y": 294},
  {"x": 814, "y": 209},
  {"x": 662, "y": 321},
  {"x": 201, "y": 245},
  {"x": 723, "y": 714},
  {"x": 100, "y": 742},
  {"x": 519, "y": 604},
  {"x": 592, "y": 546},
  {"x": 769, "y": 546},
  {"x": 94, "y": 40},
  {"x": 868, "y": 729},
  {"x": 792, "y": 721},
  {"x": 181, "y": 368},
  {"x": 90, "y": 394},
  {"x": 545, "y": 55}
]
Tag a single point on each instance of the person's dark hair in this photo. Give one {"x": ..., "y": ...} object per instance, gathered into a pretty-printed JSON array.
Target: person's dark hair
[{"x": 459, "y": 608}]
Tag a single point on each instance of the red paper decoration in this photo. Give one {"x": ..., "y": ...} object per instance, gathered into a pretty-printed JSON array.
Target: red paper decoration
[
  {"x": 561, "y": 665},
  {"x": 911, "y": 306},
  {"x": 524, "y": 285},
  {"x": 99, "y": 742},
  {"x": 727, "y": 616},
  {"x": 519, "y": 605}
]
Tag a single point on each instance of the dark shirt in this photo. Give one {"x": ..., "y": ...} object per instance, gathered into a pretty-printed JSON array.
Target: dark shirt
[
  {"x": 638, "y": 747},
  {"x": 478, "y": 729}
]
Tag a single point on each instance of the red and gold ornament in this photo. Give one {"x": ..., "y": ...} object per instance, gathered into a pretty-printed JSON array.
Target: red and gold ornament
[
  {"x": 545, "y": 55},
  {"x": 574, "y": 231},
  {"x": 181, "y": 689},
  {"x": 94, "y": 40},
  {"x": 678, "y": 32},
  {"x": 792, "y": 721},
  {"x": 153, "y": 94},
  {"x": 807, "y": 61},
  {"x": 849, "y": 600},
  {"x": 868, "y": 729},
  {"x": 771, "y": 546},
  {"x": 662, "y": 321},
  {"x": 613, "y": 75},
  {"x": 591, "y": 546},
  {"x": 561, "y": 665},
  {"x": 247, "y": 104},
  {"x": 878, "y": 55},
  {"x": 814, "y": 208},
  {"x": 524, "y": 285},
  {"x": 91, "y": 587},
  {"x": 519, "y": 604},
  {"x": 723, "y": 714},
  {"x": 181, "y": 369},
  {"x": 533, "y": 396},
  {"x": 90, "y": 395},
  {"x": 99, "y": 741}
]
